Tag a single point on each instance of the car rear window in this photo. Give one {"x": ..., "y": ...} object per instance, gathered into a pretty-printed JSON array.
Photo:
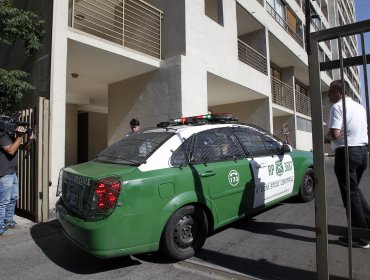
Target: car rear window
[{"x": 135, "y": 148}]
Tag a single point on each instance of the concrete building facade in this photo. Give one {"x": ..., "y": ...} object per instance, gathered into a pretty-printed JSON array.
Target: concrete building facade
[{"x": 156, "y": 60}]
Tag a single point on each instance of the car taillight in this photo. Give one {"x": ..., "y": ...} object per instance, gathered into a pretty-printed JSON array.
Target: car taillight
[{"x": 106, "y": 193}]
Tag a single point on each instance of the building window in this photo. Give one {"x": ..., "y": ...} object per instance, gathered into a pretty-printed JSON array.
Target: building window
[
  {"x": 279, "y": 7},
  {"x": 301, "y": 88},
  {"x": 304, "y": 124},
  {"x": 316, "y": 22},
  {"x": 214, "y": 10},
  {"x": 275, "y": 73}
]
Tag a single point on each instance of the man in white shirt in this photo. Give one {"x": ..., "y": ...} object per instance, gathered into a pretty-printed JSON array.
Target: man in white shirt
[{"x": 357, "y": 140}]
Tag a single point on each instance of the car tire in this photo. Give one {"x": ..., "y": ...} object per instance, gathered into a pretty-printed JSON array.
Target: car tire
[
  {"x": 184, "y": 233},
  {"x": 307, "y": 189}
]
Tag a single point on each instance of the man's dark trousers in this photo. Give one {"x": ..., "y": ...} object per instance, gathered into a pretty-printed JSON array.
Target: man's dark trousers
[{"x": 357, "y": 165}]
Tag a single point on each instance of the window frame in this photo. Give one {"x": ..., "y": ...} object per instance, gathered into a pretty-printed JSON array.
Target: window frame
[{"x": 263, "y": 135}]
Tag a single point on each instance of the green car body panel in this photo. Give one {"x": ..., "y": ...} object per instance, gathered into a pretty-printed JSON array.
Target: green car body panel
[{"x": 148, "y": 199}]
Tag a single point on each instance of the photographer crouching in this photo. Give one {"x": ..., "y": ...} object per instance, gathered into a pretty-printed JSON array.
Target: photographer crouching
[{"x": 9, "y": 193}]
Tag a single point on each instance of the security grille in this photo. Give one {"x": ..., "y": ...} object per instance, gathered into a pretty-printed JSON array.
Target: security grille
[{"x": 33, "y": 165}]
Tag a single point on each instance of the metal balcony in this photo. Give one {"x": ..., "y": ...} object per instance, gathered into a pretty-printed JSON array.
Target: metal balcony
[
  {"x": 131, "y": 23},
  {"x": 282, "y": 94},
  {"x": 251, "y": 57},
  {"x": 303, "y": 103},
  {"x": 284, "y": 24}
]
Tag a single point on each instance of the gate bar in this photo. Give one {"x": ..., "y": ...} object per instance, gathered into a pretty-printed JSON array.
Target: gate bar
[
  {"x": 346, "y": 159},
  {"x": 347, "y": 62},
  {"x": 318, "y": 135},
  {"x": 365, "y": 60},
  {"x": 321, "y": 223}
]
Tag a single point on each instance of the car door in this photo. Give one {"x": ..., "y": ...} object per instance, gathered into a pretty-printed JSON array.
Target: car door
[
  {"x": 219, "y": 163},
  {"x": 273, "y": 171}
]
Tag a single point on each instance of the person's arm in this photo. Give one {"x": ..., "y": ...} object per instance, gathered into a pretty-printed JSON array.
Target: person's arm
[
  {"x": 26, "y": 146},
  {"x": 335, "y": 122},
  {"x": 17, "y": 144},
  {"x": 13, "y": 148},
  {"x": 30, "y": 138},
  {"x": 332, "y": 134}
]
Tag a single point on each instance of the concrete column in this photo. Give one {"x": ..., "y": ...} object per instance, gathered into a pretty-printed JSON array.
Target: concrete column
[
  {"x": 194, "y": 88},
  {"x": 58, "y": 94}
]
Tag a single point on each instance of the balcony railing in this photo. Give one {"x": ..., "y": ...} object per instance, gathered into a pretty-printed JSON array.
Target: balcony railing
[
  {"x": 132, "y": 23},
  {"x": 303, "y": 103},
  {"x": 284, "y": 24},
  {"x": 251, "y": 57},
  {"x": 282, "y": 94}
]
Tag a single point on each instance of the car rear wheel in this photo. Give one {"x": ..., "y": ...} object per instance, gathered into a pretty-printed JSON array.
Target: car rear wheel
[
  {"x": 307, "y": 190},
  {"x": 184, "y": 233}
]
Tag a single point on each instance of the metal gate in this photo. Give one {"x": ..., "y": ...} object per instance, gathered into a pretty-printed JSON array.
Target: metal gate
[
  {"x": 33, "y": 165},
  {"x": 335, "y": 34}
]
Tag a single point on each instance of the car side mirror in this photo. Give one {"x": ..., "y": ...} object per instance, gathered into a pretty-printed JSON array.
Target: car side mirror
[{"x": 286, "y": 148}]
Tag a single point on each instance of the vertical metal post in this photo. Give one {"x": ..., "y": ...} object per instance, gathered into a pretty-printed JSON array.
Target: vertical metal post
[
  {"x": 346, "y": 160},
  {"x": 308, "y": 27},
  {"x": 321, "y": 223},
  {"x": 42, "y": 154},
  {"x": 364, "y": 65}
]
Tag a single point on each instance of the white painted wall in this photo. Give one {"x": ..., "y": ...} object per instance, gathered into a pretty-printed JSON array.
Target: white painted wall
[
  {"x": 260, "y": 14},
  {"x": 303, "y": 140},
  {"x": 213, "y": 48}
]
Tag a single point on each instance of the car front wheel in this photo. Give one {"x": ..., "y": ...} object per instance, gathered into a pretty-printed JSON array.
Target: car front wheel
[
  {"x": 307, "y": 190},
  {"x": 184, "y": 233}
]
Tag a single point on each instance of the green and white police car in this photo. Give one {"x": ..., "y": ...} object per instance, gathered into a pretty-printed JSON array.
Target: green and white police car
[{"x": 168, "y": 187}]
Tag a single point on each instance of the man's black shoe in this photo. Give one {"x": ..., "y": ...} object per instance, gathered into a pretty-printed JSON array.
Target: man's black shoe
[{"x": 359, "y": 243}]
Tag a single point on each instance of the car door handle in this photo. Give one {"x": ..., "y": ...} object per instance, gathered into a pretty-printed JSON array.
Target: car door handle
[
  {"x": 261, "y": 165},
  {"x": 207, "y": 174}
]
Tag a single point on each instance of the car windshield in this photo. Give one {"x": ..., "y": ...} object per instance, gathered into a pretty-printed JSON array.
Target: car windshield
[{"x": 135, "y": 148}]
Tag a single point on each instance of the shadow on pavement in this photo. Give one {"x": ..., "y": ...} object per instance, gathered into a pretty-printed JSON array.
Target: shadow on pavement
[
  {"x": 258, "y": 268},
  {"x": 276, "y": 229},
  {"x": 64, "y": 253}
]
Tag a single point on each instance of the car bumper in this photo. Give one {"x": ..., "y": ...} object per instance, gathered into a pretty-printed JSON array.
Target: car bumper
[{"x": 106, "y": 238}]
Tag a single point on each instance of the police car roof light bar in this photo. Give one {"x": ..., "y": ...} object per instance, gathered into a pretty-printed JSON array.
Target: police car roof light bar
[{"x": 201, "y": 119}]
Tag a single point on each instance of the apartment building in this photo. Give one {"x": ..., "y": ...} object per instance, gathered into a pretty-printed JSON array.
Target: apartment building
[
  {"x": 342, "y": 13},
  {"x": 113, "y": 60}
]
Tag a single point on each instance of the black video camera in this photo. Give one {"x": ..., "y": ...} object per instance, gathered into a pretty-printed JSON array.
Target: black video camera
[{"x": 9, "y": 125}]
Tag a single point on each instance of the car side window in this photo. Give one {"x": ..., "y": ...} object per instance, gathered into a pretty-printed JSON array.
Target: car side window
[
  {"x": 257, "y": 143},
  {"x": 272, "y": 146},
  {"x": 216, "y": 145},
  {"x": 181, "y": 155}
]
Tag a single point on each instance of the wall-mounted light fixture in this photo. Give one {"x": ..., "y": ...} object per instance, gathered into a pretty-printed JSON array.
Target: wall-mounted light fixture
[{"x": 75, "y": 75}]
